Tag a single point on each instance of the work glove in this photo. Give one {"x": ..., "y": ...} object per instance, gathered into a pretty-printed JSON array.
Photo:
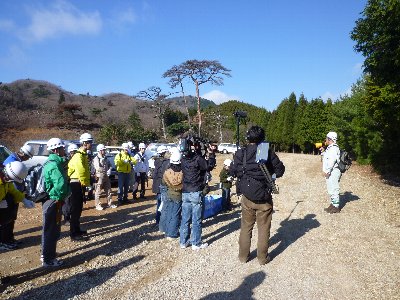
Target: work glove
[
  {"x": 89, "y": 188},
  {"x": 108, "y": 172},
  {"x": 126, "y": 161},
  {"x": 28, "y": 203},
  {"x": 230, "y": 178},
  {"x": 3, "y": 204}
]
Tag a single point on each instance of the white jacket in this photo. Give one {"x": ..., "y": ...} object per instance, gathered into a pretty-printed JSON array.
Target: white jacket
[
  {"x": 142, "y": 163},
  {"x": 331, "y": 158}
]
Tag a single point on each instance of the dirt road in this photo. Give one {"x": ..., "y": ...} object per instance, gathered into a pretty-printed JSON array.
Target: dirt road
[{"x": 351, "y": 255}]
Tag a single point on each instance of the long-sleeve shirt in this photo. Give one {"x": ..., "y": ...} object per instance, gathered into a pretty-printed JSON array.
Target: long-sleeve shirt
[
  {"x": 8, "y": 187},
  {"x": 123, "y": 162},
  {"x": 78, "y": 167},
  {"x": 142, "y": 163},
  {"x": 331, "y": 158},
  {"x": 55, "y": 178}
]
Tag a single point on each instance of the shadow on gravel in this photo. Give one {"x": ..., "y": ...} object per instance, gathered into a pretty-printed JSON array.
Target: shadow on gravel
[
  {"x": 243, "y": 291},
  {"x": 346, "y": 198},
  {"x": 224, "y": 230},
  {"x": 79, "y": 283},
  {"x": 289, "y": 232},
  {"x": 110, "y": 246}
]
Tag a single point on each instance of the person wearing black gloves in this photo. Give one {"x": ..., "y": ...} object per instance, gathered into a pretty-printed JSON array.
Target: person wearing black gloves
[{"x": 256, "y": 199}]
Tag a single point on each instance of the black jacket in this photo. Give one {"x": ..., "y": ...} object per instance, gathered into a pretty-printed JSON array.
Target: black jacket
[
  {"x": 253, "y": 170},
  {"x": 194, "y": 169},
  {"x": 160, "y": 165}
]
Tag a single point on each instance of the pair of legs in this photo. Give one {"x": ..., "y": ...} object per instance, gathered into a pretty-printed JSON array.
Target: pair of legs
[
  {"x": 103, "y": 183},
  {"x": 192, "y": 212},
  {"x": 52, "y": 211},
  {"x": 252, "y": 213},
  {"x": 140, "y": 179},
  {"x": 123, "y": 187}
]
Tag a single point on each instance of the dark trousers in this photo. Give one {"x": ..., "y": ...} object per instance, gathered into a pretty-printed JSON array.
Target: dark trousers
[
  {"x": 8, "y": 216},
  {"x": 142, "y": 180},
  {"x": 76, "y": 203},
  {"x": 51, "y": 228},
  {"x": 226, "y": 198},
  {"x": 66, "y": 209}
]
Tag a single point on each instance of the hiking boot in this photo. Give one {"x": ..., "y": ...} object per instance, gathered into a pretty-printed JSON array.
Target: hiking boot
[
  {"x": 329, "y": 208},
  {"x": 7, "y": 247},
  {"x": 99, "y": 207},
  {"x": 334, "y": 210},
  {"x": 52, "y": 263},
  {"x": 201, "y": 246}
]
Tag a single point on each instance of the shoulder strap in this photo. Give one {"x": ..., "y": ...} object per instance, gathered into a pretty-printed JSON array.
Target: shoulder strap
[{"x": 244, "y": 160}]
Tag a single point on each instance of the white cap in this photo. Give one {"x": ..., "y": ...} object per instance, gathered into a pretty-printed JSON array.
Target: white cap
[
  {"x": 175, "y": 158},
  {"x": 27, "y": 150},
  {"x": 332, "y": 136},
  {"x": 142, "y": 146},
  {"x": 227, "y": 162},
  {"x": 130, "y": 145},
  {"x": 125, "y": 146}
]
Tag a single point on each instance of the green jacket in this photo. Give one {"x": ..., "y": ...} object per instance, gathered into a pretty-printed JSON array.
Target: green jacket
[
  {"x": 223, "y": 177},
  {"x": 55, "y": 177}
]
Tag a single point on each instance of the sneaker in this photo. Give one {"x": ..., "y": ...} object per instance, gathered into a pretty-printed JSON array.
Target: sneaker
[
  {"x": 170, "y": 238},
  {"x": 52, "y": 263},
  {"x": 112, "y": 206},
  {"x": 201, "y": 246},
  {"x": 184, "y": 246},
  {"x": 99, "y": 207}
]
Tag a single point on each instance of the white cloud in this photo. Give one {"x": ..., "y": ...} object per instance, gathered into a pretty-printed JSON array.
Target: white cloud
[
  {"x": 333, "y": 97},
  {"x": 218, "y": 97},
  {"x": 60, "y": 19},
  {"x": 121, "y": 19}
]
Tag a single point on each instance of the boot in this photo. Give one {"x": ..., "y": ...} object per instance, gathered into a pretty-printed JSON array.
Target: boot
[
  {"x": 329, "y": 208},
  {"x": 334, "y": 210}
]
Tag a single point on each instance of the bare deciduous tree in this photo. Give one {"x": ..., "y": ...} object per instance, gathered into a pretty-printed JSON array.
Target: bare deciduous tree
[{"x": 200, "y": 72}]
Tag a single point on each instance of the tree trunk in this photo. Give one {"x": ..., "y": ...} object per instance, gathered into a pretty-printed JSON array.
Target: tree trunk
[
  {"x": 186, "y": 106},
  {"x": 198, "y": 106}
]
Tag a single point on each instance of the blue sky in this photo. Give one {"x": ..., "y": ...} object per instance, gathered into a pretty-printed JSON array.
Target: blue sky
[{"x": 273, "y": 48}]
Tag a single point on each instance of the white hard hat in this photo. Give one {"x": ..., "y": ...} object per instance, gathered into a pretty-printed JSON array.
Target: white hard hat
[
  {"x": 16, "y": 171},
  {"x": 54, "y": 143},
  {"x": 142, "y": 146},
  {"x": 175, "y": 158},
  {"x": 162, "y": 149},
  {"x": 86, "y": 137},
  {"x": 332, "y": 136},
  {"x": 27, "y": 150},
  {"x": 130, "y": 145},
  {"x": 125, "y": 146},
  {"x": 72, "y": 147},
  {"x": 227, "y": 162},
  {"x": 100, "y": 147}
]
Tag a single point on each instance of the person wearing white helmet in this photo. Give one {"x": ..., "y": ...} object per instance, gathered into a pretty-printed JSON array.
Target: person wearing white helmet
[
  {"x": 102, "y": 167},
  {"x": 141, "y": 169},
  {"x": 331, "y": 172},
  {"x": 71, "y": 150},
  {"x": 10, "y": 197},
  {"x": 57, "y": 187},
  {"x": 132, "y": 176},
  {"x": 172, "y": 205},
  {"x": 123, "y": 163},
  {"x": 25, "y": 153},
  {"x": 161, "y": 163},
  {"x": 79, "y": 174},
  {"x": 226, "y": 185}
]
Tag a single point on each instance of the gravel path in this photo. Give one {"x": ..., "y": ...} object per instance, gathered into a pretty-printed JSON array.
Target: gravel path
[{"x": 351, "y": 255}]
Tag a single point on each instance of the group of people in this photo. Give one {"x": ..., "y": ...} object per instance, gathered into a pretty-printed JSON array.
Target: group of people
[{"x": 180, "y": 182}]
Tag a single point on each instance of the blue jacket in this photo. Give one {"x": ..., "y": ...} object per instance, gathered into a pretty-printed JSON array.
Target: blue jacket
[{"x": 12, "y": 157}]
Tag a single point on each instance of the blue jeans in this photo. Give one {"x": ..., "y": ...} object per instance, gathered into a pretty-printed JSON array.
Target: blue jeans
[
  {"x": 192, "y": 210},
  {"x": 226, "y": 198},
  {"x": 163, "y": 220},
  {"x": 123, "y": 186},
  {"x": 173, "y": 211}
]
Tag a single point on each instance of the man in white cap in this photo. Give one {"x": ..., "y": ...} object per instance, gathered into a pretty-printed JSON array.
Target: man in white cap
[
  {"x": 331, "y": 171},
  {"x": 141, "y": 169}
]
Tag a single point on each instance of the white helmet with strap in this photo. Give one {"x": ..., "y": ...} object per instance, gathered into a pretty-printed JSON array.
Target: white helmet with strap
[
  {"x": 16, "y": 171},
  {"x": 86, "y": 137},
  {"x": 100, "y": 147},
  {"x": 72, "y": 147},
  {"x": 27, "y": 150},
  {"x": 54, "y": 143}
]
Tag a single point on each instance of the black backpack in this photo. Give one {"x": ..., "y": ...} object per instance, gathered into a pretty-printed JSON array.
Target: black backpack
[
  {"x": 35, "y": 189},
  {"x": 344, "y": 162}
]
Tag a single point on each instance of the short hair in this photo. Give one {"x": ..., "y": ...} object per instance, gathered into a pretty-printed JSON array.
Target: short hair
[{"x": 255, "y": 134}]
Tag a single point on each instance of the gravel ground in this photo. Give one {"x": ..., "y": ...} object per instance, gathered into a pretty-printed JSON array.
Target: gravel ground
[{"x": 351, "y": 255}]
